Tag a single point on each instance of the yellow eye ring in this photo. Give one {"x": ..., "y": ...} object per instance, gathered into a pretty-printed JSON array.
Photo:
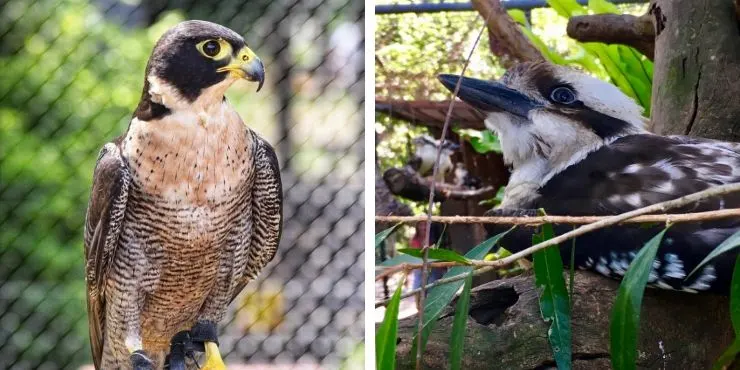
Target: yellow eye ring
[{"x": 214, "y": 49}]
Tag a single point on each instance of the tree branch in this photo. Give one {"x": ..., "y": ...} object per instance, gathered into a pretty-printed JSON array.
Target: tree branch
[
  {"x": 625, "y": 29},
  {"x": 406, "y": 183},
  {"x": 506, "y": 39},
  {"x": 574, "y": 220},
  {"x": 486, "y": 266}
]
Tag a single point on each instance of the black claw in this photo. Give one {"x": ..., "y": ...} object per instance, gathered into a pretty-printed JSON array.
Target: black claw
[
  {"x": 140, "y": 361},
  {"x": 180, "y": 346},
  {"x": 204, "y": 331}
]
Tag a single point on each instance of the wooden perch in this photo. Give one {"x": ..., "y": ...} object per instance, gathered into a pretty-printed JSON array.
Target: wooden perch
[
  {"x": 505, "y": 329},
  {"x": 506, "y": 40},
  {"x": 406, "y": 183},
  {"x": 625, "y": 29}
]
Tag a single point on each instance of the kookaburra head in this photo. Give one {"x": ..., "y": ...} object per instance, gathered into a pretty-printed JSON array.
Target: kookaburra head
[
  {"x": 425, "y": 153},
  {"x": 548, "y": 116}
]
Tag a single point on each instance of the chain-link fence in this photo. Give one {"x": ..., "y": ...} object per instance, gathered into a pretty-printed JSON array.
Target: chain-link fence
[{"x": 71, "y": 74}]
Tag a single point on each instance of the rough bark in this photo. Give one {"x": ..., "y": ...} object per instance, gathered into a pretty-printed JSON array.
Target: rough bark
[
  {"x": 506, "y": 40},
  {"x": 625, "y": 29},
  {"x": 505, "y": 329},
  {"x": 697, "y": 68}
]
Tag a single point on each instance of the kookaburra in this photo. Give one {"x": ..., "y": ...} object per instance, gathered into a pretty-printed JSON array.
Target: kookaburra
[
  {"x": 578, "y": 146},
  {"x": 425, "y": 153},
  {"x": 185, "y": 207}
]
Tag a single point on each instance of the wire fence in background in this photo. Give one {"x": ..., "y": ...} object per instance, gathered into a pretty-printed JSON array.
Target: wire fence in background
[{"x": 71, "y": 74}]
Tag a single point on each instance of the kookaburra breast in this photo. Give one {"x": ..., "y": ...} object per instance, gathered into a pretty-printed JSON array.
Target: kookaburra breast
[{"x": 578, "y": 146}]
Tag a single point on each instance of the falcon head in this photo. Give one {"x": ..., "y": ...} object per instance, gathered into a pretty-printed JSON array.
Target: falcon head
[
  {"x": 197, "y": 61},
  {"x": 550, "y": 114}
]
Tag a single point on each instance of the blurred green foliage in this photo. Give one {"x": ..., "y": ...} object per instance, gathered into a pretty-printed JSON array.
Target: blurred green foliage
[{"x": 69, "y": 82}]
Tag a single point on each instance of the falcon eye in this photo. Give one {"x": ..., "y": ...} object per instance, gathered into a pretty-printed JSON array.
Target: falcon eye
[
  {"x": 214, "y": 49},
  {"x": 563, "y": 95},
  {"x": 211, "y": 48}
]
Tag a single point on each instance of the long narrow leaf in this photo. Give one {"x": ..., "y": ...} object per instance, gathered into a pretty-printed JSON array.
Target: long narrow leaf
[
  {"x": 731, "y": 352},
  {"x": 730, "y": 243},
  {"x": 735, "y": 298},
  {"x": 554, "y": 302},
  {"x": 460, "y": 324},
  {"x": 385, "y": 337},
  {"x": 436, "y": 253},
  {"x": 727, "y": 356},
  {"x": 379, "y": 237},
  {"x": 625, "y": 321},
  {"x": 440, "y": 296}
]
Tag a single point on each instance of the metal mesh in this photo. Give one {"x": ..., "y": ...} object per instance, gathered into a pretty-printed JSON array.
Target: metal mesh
[{"x": 71, "y": 74}]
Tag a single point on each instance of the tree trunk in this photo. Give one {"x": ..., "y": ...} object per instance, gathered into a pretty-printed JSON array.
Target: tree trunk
[
  {"x": 697, "y": 68},
  {"x": 505, "y": 329}
]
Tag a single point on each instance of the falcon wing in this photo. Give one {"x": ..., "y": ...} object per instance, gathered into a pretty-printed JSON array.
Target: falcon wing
[
  {"x": 267, "y": 211},
  {"x": 104, "y": 217}
]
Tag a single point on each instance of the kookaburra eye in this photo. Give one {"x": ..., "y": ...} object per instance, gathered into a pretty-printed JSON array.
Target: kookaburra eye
[
  {"x": 563, "y": 95},
  {"x": 211, "y": 48}
]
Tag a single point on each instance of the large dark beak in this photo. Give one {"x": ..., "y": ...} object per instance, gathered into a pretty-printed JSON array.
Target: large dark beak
[{"x": 490, "y": 96}]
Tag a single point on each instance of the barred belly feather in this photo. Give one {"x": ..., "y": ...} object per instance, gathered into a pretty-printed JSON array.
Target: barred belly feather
[{"x": 187, "y": 222}]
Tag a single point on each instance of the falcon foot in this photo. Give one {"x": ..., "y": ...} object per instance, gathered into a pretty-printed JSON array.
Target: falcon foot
[
  {"x": 181, "y": 346},
  {"x": 206, "y": 333},
  {"x": 140, "y": 361}
]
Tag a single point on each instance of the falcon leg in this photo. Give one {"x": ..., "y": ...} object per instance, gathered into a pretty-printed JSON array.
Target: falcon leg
[
  {"x": 180, "y": 346},
  {"x": 206, "y": 332},
  {"x": 140, "y": 361}
]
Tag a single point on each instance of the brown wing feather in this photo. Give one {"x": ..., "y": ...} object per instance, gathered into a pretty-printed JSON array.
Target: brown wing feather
[
  {"x": 102, "y": 227},
  {"x": 267, "y": 211}
]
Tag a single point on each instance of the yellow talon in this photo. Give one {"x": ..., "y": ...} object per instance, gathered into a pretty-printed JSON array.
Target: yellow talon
[{"x": 213, "y": 358}]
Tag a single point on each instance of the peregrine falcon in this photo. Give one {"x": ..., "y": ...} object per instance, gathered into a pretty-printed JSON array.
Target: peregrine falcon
[
  {"x": 185, "y": 207},
  {"x": 577, "y": 146}
]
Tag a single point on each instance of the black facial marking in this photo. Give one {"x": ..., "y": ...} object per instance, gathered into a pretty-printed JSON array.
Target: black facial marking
[
  {"x": 147, "y": 109},
  {"x": 603, "y": 125},
  {"x": 177, "y": 61}
]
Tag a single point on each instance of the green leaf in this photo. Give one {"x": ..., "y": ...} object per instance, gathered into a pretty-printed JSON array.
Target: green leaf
[
  {"x": 440, "y": 296},
  {"x": 496, "y": 200},
  {"x": 401, "y": 258},
  {"x": 519, "y": 16},
  {"x": 625, "y": 321},
  {"x": 379, "y": 237},
  {"x": 459, "y": 325},
  {"x": 436, "y": 253},
  {"x": 732, "y": 351},
  {"x": 554, "y": 301},
  {"x": 483, "y": 141},
  {"x": 385, "y": 337},
  {"x": 728, "y": 356},
  {"x": 602, "y": 6},
  {"x": 566, "y": 8},
  {"x": 730, "y": 243},
  {"x": 735, "y": 298}
]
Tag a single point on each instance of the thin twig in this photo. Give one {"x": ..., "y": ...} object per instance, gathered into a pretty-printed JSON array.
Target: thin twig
[
  {"x": 485, "y": 266},
  {"x": 575, "y": 220},
  {"x": 435, "y": 171}
]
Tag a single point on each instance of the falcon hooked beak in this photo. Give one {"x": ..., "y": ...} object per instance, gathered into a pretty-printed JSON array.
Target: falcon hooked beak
[{"x": 245, "y": 64}]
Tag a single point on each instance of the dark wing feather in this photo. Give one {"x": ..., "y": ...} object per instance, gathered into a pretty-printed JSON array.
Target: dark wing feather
[
  {"x": 634, "y": 172},
  {"x": 267, "y": 211},
  {"x": 639, "y": 170},
  {"x": 104, "y": 217}
]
